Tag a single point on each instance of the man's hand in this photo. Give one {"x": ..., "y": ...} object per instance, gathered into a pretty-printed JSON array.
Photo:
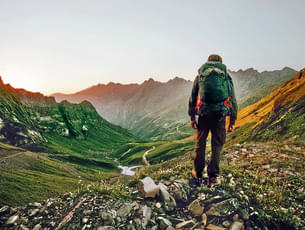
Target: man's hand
[
  {"x": 231, "y": 128},
  {"x": 194, "y": 124}
]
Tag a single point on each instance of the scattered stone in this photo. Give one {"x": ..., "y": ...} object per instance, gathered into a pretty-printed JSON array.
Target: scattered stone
[
  {"x": 87, "y": 212},
  {"x": 125, "y": 210},
  {"x": 12, "y": 219},
  {"x": 164, "y": 223},
  {"x": 204, "y": 220},
  {"x": 185, "y": 224},
  {"x": 4, "y": 210},
  {"x": 24, "y": 220},
  {"x": 224, "y": 208},
  {"x": 106, "y": 228},
  {"x": 158, "y": 205},
  {"x": 107, "y": 218},
  {"x": 36, "y": 204},
  {"x": 148, "y": 188},
  {"x": 33, "y": 212},
  {"x": 37, "y": 227},
  {"x": 237, "y": 226},
  {"x": 165, "y": 197},
  {"x": 196, "y": 208},
  {"x": 214, "y": 227},
  {"x": 22, "y": 227},
  {"x": 147, "y": 215},
  {"x": 85, "y": 220}
]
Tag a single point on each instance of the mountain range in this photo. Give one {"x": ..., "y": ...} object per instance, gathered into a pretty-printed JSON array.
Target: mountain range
[{"x": 158, "y": 111}]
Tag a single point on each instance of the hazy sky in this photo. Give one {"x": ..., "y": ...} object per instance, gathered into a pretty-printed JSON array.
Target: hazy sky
[{"x": 65, "y": 46}]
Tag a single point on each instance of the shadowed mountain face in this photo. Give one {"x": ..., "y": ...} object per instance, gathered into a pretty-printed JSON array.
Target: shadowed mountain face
[
  {"x": 34, "y": 121},
  {"x": 158, "y": 111}
]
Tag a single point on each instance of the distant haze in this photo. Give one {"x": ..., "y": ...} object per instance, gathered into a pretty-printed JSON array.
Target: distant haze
[{"x": 65, "y": 46}]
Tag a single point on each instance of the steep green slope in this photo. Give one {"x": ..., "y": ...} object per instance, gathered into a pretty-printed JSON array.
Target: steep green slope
[
  {"x": 36, "y": 122},
  {"x": 70, "y": 142}
]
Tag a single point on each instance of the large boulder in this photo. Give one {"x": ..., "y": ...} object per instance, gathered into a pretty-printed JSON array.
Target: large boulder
[{"x": 148, "y": 188}]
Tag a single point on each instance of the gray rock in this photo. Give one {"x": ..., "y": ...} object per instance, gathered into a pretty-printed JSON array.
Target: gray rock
[
  {"x": 107, "y": 218},
  {"x": 22, "y": 227},
  {"x": 87, "y": 212},
  {"x": 196, "y": 208},
  {"x": 125, "y": 210},
  {"x": 185, "y": 224},
  {"x": 237, "y": 226},
  {"x": 33, "y": 212},
  {"x": 158, "y": 205},
  {"x": 4, "y": 210},
  {"x": 224, "y": 208},
  {"x": 147, "y": 215},
  {"x": 164, "y": 223},
  {"x": 85, "y": 220},
  {"x": 165, "y": 196},
  {"x": 12, "y": 219},
  {"x": 148, "y": 188},
  {"x": 37, "y": 227},
  {"x": 106, "y": 228},
  {"x": 24, "y": 220},
  {"x": 182, "y": 181},
  {"x": 36, "y": 204}
]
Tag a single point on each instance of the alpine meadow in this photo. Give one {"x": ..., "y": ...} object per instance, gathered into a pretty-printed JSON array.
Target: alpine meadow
[{"x": 152, "y": 115}]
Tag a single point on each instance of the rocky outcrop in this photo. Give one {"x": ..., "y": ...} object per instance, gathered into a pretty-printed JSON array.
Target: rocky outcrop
[{"x": 203, "y": 207}]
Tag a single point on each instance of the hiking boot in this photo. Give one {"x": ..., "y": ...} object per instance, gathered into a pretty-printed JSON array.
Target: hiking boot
[
  {"x": 214, "y": 181},
  {"x": 198, "y": 180}
]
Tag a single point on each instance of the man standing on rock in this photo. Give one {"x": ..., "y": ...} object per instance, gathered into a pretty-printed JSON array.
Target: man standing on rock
[{"x": 212, "y": 99}]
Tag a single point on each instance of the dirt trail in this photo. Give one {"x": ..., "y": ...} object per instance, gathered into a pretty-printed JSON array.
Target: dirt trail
[{"x": 145, "y": 154}]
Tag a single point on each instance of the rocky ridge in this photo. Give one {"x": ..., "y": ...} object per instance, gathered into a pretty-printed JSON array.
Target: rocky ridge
[{"x": 181, "y": 205}]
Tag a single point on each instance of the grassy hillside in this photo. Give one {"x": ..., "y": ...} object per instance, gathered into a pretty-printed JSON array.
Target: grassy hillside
[
  {"x": 27, "y": 176},
  {"x": 36, "y": 122},
  {"x": 278, "y": 116},
  {"x": 159, "y": 151},
  {"x": 47, "y": 147}
]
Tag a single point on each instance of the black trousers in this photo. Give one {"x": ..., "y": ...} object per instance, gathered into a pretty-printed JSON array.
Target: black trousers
[{"x": 215, "y": 124}]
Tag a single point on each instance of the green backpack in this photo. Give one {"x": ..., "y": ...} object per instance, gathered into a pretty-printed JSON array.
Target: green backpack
[{"x": 215, "y": 89}]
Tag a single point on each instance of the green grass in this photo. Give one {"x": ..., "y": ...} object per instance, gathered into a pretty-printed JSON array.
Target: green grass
[{"x": 132, "y": 153}]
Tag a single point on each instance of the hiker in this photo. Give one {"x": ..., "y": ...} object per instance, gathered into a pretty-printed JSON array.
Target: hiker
[{"x": 212, "y": 99}]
